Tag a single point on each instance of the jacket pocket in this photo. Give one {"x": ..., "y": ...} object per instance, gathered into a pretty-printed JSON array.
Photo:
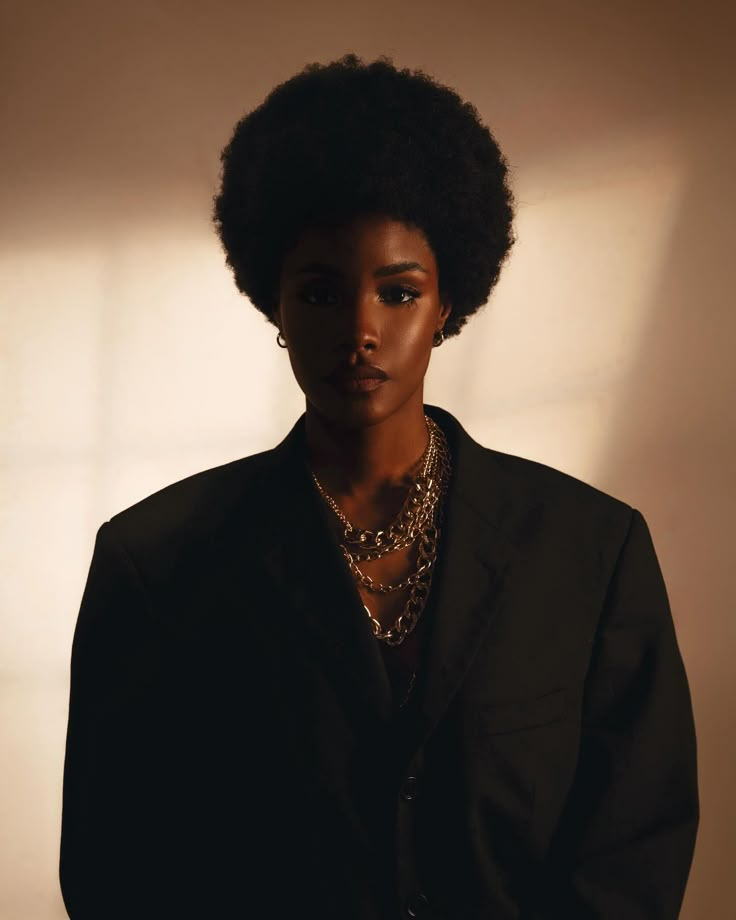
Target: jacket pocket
[{"x": 517, "y": 715}]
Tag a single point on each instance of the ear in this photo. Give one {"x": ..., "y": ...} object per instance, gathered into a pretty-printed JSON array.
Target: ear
[{"x": 445, "y": 310}]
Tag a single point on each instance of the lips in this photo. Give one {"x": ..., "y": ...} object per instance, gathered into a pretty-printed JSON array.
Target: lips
[{"x": 357, "y": 372}]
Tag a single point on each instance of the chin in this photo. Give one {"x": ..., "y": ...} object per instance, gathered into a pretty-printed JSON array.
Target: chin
[{"x": 351, "y": 411}]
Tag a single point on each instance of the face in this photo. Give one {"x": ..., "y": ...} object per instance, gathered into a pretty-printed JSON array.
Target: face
[{"x": 369, "y": 290}]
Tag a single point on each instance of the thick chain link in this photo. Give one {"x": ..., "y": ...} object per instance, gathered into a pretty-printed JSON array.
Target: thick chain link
[{"x": 419, "y": 519}]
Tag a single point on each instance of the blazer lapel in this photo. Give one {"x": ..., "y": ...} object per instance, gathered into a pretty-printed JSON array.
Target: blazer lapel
[
  {"x": 473, "y": 573},
  {"x": 302, "y": 558}
]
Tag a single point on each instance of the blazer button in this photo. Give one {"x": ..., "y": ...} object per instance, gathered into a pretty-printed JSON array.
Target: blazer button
[
  {"x": 409, "y": 788},
  {"x": 416, "y": 905}
]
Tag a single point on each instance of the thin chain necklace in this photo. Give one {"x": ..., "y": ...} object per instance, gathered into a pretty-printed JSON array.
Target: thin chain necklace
[{"x": 419, "y": 519}]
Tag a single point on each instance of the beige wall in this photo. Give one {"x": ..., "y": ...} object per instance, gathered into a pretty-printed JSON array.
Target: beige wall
[{"x": 128, "y": 361}]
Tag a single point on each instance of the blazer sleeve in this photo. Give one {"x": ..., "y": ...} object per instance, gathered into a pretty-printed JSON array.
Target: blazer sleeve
[
  {"x": 111, "y": 806},
  {"x": 625, "y": 843}
]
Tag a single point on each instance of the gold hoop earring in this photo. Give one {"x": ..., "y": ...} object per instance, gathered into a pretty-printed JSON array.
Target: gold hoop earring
[
  {"x": 436, "y": 341},
  {"x": 278, "y": 337}
]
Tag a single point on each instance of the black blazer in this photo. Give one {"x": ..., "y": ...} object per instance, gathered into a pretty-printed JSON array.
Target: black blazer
[{"x": 231, "y": 750}]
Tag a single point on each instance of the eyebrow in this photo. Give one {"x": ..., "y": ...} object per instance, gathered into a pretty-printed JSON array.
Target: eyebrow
[{"x": 394, "y": 269}]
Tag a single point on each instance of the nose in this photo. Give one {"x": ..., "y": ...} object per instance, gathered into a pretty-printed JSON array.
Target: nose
[{"x": 360, "y": 323}]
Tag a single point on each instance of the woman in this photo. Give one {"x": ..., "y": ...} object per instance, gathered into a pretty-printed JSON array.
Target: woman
[{"x": 378, "y": 671}]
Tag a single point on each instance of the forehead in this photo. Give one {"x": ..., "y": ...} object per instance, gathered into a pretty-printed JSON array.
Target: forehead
[{"x": 369, "y": 241}]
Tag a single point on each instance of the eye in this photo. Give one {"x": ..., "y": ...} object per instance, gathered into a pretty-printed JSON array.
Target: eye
[
  {"x": 397, "y": 291},
  {"x": 321, "y": 294},
  {"x": 316, "y": 294}
]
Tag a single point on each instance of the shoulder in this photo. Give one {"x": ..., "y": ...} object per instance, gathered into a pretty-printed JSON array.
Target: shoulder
[
  {"x": 195, "y": 508},
  {"x": 505, "y": 487},
  {"x": 541, "y": 508},
  {"x": 541, "y": 482},
  {"x": 531, "y": 506},
  {"x": 566, "y": 535}
]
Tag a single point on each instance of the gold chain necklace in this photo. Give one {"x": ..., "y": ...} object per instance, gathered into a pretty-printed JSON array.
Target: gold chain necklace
[{"x": 419, "y": 519}]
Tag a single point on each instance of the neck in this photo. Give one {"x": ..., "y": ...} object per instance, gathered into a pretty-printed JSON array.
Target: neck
[{"x": 369, "y": 462}]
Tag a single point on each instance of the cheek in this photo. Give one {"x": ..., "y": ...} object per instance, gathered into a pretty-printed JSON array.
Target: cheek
[
  {"x": 304, "y": 336},
  {"x": 299, "y": 360},
  {"x": 413, "y": 340}
]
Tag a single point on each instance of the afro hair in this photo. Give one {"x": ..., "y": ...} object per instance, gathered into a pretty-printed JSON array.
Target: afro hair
[{"x": 349, "y": 138}]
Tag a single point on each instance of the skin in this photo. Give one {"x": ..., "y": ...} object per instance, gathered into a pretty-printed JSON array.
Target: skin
[{"x": 363, "y": 447}]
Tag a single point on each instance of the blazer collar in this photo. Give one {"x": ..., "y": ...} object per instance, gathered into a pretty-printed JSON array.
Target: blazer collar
[{"x": 298, "y": 551}]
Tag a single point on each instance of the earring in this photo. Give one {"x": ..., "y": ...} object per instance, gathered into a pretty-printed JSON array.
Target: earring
[
  {"x": 280, "y": 336},
  {"x": 438, "y": 341}
]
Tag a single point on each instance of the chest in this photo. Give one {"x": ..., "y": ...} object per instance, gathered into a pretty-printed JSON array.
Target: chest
[
  {"x": 387, "y": 607},
  {"x": 390, "y": 570}
]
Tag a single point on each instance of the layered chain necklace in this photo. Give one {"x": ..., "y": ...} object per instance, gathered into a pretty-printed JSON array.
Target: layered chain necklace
[{"x": 419, "y": 520}]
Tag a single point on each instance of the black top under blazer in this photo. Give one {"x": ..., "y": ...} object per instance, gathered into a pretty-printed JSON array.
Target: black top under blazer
[{"x": 232, "y": 749}]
